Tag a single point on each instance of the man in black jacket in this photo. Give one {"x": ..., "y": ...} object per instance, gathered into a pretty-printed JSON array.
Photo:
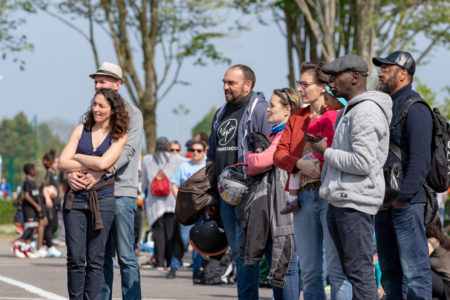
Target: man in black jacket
[{"x": 399, "y": 227}]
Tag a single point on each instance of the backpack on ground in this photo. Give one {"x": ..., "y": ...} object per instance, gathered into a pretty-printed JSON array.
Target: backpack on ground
[{"x": 218, "y": 271}]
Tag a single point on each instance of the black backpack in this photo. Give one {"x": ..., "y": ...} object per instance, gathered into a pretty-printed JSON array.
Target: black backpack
[{"x": 438, "y": 178}]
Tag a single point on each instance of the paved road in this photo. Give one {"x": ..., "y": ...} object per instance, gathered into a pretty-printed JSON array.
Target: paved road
[{"x": 45, "y": 278}]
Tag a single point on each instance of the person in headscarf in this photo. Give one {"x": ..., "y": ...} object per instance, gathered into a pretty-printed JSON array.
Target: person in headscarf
[{"x": 160, "y": 209}]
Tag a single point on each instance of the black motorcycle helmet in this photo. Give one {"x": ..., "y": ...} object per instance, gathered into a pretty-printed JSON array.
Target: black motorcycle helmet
[{"x": 208, "y": 239}]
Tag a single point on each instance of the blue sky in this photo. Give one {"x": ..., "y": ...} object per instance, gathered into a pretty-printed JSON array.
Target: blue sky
[{"x": 55, "y": 83}]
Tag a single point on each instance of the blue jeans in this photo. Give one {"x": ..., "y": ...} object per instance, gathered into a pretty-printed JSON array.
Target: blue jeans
[
  {"x": 175, "y": 263},
  {"x": 352, "y": 233},
  {"x": 247, "y": 275},
  {"x": 291, "y": 289},
  {"x": 311, "y": 235},
  {"x": 403, "y": 252},
  {"x": 122, "y": 240},
  {"x": 86, "y": 248}
]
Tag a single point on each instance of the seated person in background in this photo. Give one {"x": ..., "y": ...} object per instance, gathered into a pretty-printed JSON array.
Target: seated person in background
[{"x": 439, "y": 250}]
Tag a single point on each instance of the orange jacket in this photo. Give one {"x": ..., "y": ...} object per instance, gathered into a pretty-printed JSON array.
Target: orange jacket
[{"x": 290, "y": 146}]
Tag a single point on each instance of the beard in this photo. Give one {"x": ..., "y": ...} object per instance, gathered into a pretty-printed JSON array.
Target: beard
[
  {"x": 233, "y": 97},
  {"x": 388, "y": 85}
]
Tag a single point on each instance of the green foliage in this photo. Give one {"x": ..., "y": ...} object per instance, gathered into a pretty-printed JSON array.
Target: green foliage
[
  {"x": 205, "y": 123},
  {"x": 445, "y": 108},
  {"x": 427, "y": 93},
  {"x": 7, "y": 211},
  {"x": 19, "y": 145},
  {"x": 152, "y": 40},
  {"x": 10, "y": 21},
  {"x": 430, "y": 97}
]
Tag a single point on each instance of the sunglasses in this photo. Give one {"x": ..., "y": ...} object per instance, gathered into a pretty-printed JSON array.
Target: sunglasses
[
  {"x": 175, "y": 150},
  {"x": 196, "y": 150},
  {"x": 283, "y": 90}
]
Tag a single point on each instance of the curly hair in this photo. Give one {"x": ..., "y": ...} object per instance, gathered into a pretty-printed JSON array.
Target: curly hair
[
  {"x": 119, "y": 119},
  {"x": 288, "y": 96},
  {"x": 315, "y": 67}
]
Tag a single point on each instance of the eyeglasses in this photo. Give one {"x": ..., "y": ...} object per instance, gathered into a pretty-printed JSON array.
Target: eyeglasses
[
  {"x": 305, "y": 84},
  {"x": 175, "y": 150},
  {"x": 283, "y": 90},
  {"x": 383, "y": 70},
  {"x": 196, "y": 150}
]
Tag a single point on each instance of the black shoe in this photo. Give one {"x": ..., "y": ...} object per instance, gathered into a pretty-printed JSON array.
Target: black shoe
[
  {"x": 171, "y": 274},
  {"x": 197, "y": 277}
]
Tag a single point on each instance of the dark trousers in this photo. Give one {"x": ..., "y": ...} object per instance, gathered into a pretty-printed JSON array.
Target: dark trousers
[
  {"x": 86, "y": 249},
  {"x": 167, "y": 238},
  {"x": 138, "y": 217},
  {"x": 403, "y": 252},
  {"x": 352, "y": 233},
  {"x": 52, "y": 225}
]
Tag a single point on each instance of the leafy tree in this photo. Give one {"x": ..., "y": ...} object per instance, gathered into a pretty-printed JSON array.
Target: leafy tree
[
  {"x": 445, "y": 108},
  {"x": 152, "y": 40},
  {"x": 430, "y": 97},
  {"x": 205, "y": 123},
  {"x": 19, "y": 145},
  {"x": 326, "y": 29},
  {"x": 10, "y": 42}
]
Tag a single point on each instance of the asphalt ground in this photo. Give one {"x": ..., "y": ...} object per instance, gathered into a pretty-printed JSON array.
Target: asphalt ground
[{"x": 45, "y": 278}]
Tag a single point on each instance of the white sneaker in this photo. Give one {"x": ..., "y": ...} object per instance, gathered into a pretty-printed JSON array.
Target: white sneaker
[
  {"x": 53, "y": 252},
  {"x": 58, "y": 242},
  {"x": 17, "y": 252},
  {"x": 41, "y": 252},
  {"x": 28, "y": 253}
]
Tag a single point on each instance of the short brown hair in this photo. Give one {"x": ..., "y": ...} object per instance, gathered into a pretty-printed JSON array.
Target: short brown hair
[
  {"x": 315, "y": 67},
  {"x": 248, "y": 73}
]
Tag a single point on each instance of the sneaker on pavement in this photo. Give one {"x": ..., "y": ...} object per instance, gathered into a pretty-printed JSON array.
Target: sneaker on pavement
[
  {"x": 28, "y": 253},
  {"x": 17, "y": 252},
  {"x": 171, "y": 274},
  {"x": 197, "y": 277},
  {"x": 53, "y": 252},
  {"x": 58, "y": 242},
  {"x": 41, "y": 252}
]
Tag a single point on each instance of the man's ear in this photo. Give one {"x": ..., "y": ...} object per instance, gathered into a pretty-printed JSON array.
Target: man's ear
[
  {"x": 403, "y": 75},
  {"x": 355, "y": 77},
  {"x": 248, "y": 86}
]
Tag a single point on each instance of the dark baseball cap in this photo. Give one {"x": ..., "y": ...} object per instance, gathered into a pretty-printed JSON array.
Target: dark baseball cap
[
  {"x": 401, "y": 58},
  {"x": 348, "y": 62}
]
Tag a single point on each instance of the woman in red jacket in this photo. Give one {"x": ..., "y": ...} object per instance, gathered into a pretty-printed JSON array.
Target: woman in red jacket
[
  {"x": 282, "y": 103},
  {"x": 310, "y": 225}
]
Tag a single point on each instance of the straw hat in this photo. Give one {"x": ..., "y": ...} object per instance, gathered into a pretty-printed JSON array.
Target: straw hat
[{"x": 109, "y": 69}]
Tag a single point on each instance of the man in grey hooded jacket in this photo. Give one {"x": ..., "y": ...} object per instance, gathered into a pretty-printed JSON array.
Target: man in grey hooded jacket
[{"x": 352, "y": 177}]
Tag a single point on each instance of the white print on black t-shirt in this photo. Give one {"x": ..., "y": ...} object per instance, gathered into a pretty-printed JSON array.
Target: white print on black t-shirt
[
  {"x": 227, "y": 131},
  {"x": 233, "y": 148}
]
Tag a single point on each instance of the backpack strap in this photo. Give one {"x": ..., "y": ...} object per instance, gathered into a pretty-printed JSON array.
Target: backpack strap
[
  {"x": 406, "y": 106},
  {"x": 401, "y": 121}
]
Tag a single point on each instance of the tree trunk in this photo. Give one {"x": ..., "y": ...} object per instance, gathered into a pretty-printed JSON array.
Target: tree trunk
[
  {"x": 366, "y": 29},
  {"x": 149, "y": 115},
  {"x": 288, "y": 19}
]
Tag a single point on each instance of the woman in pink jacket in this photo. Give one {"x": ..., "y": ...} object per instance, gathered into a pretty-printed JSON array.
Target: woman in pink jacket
[{"x": 282, "y": 103}]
